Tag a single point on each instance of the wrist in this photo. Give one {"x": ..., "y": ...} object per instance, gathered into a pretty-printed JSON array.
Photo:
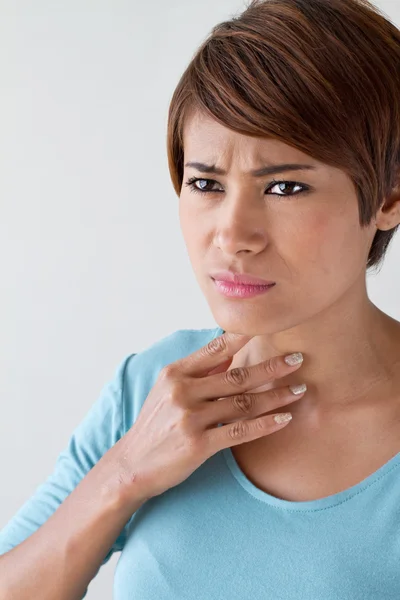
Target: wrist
[{"x": 120, "y": 490}]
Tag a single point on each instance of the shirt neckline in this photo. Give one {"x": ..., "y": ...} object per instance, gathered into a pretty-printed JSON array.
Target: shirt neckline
[{"x": 307, "y": 505}]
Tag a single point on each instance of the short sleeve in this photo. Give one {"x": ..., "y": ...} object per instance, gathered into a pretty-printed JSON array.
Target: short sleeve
[{"x": 100, "y": 429}]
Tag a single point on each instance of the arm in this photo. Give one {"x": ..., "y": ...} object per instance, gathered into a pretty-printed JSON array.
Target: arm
[
  {"x": 58, "y": 561},
  {"x": 53, "y": 545}
]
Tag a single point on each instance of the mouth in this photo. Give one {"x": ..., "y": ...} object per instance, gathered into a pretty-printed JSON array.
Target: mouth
[
  {"x": 239, "y": 278},
  {"x": 232, "y": 289}
]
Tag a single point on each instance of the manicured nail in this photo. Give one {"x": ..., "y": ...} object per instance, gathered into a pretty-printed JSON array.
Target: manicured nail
[
  {"x": 282, "y": 417},
  {"x": 298, "y": 389},
  {"x": 294, "y": 359}
]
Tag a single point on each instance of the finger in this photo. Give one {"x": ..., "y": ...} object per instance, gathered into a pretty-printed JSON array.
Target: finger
[
  {"x": 246, "y": 406},
  {"x": 241, "y": 379},
  {"x": 240, "y": 432},
  {"x": 212, "y": 355},
  {"x": 222, "y": 367}
]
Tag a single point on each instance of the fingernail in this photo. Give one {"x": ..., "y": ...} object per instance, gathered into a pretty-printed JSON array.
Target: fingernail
[
  {"x": 294, "y": 359},
  {"x": 282, "y": 417},
  {"x": 298, "y": 389}
]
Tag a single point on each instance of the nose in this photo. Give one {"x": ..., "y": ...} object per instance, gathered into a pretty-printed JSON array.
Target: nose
[{"x": 240, "y": 228}]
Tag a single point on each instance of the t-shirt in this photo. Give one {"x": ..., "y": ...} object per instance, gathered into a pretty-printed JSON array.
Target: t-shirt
[{"x": 216, "y": 536}]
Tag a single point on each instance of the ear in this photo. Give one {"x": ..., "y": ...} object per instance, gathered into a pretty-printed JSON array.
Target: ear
[{"x": 388, "y": 215}]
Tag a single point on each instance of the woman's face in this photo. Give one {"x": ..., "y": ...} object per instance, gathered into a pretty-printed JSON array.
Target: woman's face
[{"x": 301, "y": 232}]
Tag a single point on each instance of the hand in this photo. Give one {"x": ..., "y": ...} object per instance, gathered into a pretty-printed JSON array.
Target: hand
[{"x": 177, "y": 427}]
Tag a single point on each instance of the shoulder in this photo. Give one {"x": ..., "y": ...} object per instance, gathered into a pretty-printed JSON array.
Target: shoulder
[{"x": 141, "y": 369}]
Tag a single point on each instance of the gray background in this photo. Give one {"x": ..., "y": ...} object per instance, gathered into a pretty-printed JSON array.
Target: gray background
[{"x": 93, "y": 264}]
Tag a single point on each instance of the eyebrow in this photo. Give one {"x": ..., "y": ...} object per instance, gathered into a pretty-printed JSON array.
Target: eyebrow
[{"x": 270, "y": 170}]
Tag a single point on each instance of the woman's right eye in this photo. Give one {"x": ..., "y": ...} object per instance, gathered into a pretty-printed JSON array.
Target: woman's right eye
[{"x": 193, "y": 188}]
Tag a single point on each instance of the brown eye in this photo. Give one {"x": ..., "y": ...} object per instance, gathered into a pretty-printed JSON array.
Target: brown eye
[
  {"x": 290, "y": 184},
  {"x": 202, "y": 188}
]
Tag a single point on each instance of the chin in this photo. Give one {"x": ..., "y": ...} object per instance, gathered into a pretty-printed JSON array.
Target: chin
[{"x": 249, "y": 323}]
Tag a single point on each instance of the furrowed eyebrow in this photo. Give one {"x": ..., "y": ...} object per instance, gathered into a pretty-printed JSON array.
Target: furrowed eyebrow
[{"x": 271, "y": 170}]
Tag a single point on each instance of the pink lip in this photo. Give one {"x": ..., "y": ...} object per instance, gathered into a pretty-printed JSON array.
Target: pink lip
[
  {"x": 234, "y": 290},
  {"x": 239, "y": 278}
]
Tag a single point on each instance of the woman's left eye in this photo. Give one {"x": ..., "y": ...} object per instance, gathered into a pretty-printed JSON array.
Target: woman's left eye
[{"x": 202, "y": 190}]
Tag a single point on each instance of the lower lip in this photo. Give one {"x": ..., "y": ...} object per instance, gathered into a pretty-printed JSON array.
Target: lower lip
[{"x": 234, "y": 290}]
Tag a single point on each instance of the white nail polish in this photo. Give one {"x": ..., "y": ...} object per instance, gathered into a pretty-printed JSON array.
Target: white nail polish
[
  {"x": 294, "y": 359},
  {"x": 298, "y": 389},
  {"x": 282, "y": 417}
]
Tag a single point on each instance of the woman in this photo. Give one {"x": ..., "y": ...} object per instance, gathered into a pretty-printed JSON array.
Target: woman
[{"x": 284, "y": 149}]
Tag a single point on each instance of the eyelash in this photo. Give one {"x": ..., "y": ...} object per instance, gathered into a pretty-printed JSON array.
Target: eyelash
[{"x": 192, "y": 188}]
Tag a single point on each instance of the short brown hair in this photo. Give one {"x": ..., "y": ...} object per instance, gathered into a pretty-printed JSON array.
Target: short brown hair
[{"x": 320, "y": 75}]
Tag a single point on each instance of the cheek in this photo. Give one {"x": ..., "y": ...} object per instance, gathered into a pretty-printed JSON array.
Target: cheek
[
  {"x": 330, "y": 244},
  {"x": 322, "y": 236},
  {"x": 191, "y": 230},
  {"x": 186, "y": 223},
  {"x": 305, "y": 238}
]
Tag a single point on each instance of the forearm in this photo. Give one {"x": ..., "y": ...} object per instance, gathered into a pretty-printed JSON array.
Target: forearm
[{"x": 58, "y": 561}]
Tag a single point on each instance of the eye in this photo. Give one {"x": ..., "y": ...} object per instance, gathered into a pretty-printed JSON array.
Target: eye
[
  {"x": 193, "y": 188},
  {"x": 191, "y": 184}
]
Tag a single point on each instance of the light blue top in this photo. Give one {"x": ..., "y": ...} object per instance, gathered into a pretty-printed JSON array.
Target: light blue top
[{"x": 216, "y": 536}]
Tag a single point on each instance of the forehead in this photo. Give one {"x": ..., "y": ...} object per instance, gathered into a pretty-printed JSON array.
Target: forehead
[{"x": 206, "y": 140}]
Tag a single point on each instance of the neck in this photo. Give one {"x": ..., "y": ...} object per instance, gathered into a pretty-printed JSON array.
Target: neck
[{"x": 351, "y": 354}]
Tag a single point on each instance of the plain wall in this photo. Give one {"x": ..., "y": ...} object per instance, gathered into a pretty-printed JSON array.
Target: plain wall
[{"x": 93, "y": 263}]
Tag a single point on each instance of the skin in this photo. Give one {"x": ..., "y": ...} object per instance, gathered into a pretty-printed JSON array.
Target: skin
[{"x": 311, "y": 244}]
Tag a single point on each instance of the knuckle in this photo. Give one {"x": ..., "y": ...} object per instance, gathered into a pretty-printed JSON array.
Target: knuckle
[
  {"x": 261, "y": 424},
  {"x": 276, "y": 395},
  {"x": 216, "y": 346},
  {"x": 243, "y": 403},
  {"x": 187, "y": 425},
  {"x": 272, "y": 366},
  {"x": 190, "y": 435},
  {"x": 177, "y": 392},
  {"x": 168, "y": 371},
  {"x": 191, "y": 418},
  {"x": 237, "y": 376},
  {"x": 238, "y": 430}
]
